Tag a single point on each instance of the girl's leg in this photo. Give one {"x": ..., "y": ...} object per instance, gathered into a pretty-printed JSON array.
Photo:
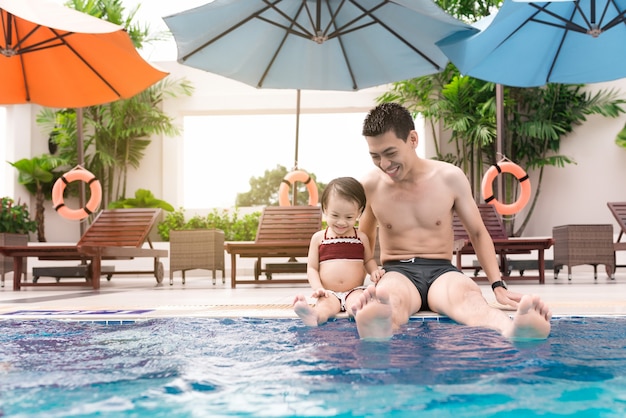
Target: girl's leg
[{"x": 325, "y": 308}]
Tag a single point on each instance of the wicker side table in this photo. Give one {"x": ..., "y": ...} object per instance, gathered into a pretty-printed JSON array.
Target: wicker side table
[
  {"x": 197, "y": 249},
  {"x": 576, "y": 245}
]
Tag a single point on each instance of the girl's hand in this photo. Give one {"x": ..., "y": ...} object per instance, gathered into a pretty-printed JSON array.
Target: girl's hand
[
  {"x": 320, "y": 293},
  {"x": 376, "y": 275}
]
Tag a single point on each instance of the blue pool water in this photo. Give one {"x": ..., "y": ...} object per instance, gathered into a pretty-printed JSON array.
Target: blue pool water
[{"x": 279, "y": 368}]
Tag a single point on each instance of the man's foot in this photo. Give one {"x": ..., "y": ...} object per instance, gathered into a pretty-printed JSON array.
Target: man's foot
[
  {"x": 532, "y": 320},
  {"x": 304, "y": 311},
  {"x": 372, "y": 313}
]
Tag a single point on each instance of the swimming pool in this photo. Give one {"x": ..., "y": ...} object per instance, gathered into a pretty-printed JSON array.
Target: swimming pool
[{"x": 279, "y": 368}]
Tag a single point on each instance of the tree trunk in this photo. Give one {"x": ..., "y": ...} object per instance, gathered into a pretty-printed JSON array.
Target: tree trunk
[{"x": 39, "y": 214}]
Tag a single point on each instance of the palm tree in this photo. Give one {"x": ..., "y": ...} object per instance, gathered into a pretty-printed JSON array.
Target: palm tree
[
  {"x": 536, "y": 118},
  {"x": 117, "y": 133},
  {"x": 37, "y": 175}
]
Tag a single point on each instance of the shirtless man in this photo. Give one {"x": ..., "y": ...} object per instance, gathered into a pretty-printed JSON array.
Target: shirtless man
[{"x": 412, "y": 201}]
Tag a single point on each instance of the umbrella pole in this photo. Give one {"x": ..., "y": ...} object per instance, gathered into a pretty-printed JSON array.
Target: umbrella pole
[
  {"x": 295, "y": 163},
  {"x": 81, "y": 161},
  {"x": 500, "y": 135}
]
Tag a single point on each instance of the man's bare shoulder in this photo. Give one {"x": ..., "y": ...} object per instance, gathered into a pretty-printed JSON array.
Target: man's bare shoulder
[
  {"x": 370, "y": 179},
  {"x": 449, "y": 173},
  {"x": 444, "y": 166}
]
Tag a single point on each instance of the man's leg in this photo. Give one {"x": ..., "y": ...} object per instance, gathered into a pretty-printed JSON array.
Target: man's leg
[
  {"x": 353, "y": 298},
  {"x": 382, "y": 309},
  {"x": 459, "y": 297}
]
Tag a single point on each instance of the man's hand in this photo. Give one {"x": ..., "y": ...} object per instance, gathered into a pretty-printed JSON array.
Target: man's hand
[{"x": 507, "y": 297}]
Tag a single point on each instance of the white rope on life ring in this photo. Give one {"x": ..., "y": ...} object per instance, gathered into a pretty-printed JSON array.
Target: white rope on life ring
[
  {"x": 522, "y": 177},
  {"x": 75, "y": 174},
  {"x": 290, "y": 180}
]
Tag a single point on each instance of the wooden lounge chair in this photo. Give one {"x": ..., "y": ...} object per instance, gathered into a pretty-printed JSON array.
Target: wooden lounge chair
[
  {"x": 117, "y": 234},
  {"x": 618, "y": 209},
  {"x": 503, "y": 244},
  {"x": 283, "y": 232}
]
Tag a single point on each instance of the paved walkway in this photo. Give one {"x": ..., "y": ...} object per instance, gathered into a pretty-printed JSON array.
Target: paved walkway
[{"x": 139, "y": 297}]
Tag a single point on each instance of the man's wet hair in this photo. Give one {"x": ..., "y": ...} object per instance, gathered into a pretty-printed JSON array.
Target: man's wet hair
[{"x": 389, "y": 117}]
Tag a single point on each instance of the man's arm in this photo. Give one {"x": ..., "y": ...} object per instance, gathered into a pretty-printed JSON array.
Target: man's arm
[
  {"x": 367, "y": 225},
  {"x": 479, "y": 236},
  {"x": 468, "y": 213}
]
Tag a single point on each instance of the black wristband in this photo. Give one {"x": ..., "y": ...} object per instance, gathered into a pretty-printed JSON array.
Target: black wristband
[{"x": 499, "y": 283}]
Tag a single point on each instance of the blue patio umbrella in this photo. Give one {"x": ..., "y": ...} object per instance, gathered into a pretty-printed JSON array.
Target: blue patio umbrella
[
  {"x": 314, "y": 44},
  {"x": 528, "y": 44}
]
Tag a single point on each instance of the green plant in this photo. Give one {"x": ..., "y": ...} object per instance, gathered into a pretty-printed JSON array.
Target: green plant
[
  {"x": 15, "y": 218},
  {"x": 535, "y": 119},
  {"x": 235, "y": 228},
  {"x": 37, "y": 175},
  {"x": 118, "y": 133},
  {"x": 143, "y": 199}
]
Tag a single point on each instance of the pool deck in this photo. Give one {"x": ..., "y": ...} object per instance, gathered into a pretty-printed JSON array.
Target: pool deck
[{"x": 126, "y": 298}]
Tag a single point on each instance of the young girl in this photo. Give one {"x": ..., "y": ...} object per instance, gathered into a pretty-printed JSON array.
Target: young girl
[{"x": 337, "y": 255}]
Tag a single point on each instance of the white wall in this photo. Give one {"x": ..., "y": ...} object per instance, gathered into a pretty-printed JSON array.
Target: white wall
[
  {"x": 574, "y": 194},
  {"x": 578, "y": 193},
  {"x": 215, "y": 95},
  {"x": 161, "y": 170}
]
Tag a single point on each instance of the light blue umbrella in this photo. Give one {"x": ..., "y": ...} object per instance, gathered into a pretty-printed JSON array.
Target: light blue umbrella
[
  {"x": 314, "y": 44},
  {"x": 529, "y": 44}
]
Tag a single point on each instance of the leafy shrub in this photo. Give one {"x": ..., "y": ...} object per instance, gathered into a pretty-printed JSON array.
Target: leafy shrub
[
  {"x": 235, "y": 228},
  {"x": 15, "y": 218},
  {"x": 143, "y": 199}
]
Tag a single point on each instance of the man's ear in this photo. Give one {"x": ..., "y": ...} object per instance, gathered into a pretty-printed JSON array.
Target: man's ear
[{"x": 413, "y": 138}]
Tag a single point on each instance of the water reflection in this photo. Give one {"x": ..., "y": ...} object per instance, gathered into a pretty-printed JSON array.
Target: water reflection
[{"x": 280, "y": 368}]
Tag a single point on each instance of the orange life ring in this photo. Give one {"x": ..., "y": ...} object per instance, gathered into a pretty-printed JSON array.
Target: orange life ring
[
  {"x": 94, "y": 200},
  {"x": 289, "y": 180},
  {"x": 520, "y": 174}
]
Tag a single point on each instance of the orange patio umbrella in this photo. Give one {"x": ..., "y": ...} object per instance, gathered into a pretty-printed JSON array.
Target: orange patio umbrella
[{"x": 55, "y": 56}]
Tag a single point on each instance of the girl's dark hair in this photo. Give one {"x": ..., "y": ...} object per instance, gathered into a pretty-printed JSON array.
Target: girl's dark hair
[
  {"x": 389, "y": 117},
  {"x": 347, "y": 187}
]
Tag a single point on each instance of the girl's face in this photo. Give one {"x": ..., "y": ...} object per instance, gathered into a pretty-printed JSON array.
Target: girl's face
[{"x": 341, "y": 215}]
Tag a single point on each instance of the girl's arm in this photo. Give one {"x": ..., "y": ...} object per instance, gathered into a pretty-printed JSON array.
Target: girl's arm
[{"x": 313, "y": 265}]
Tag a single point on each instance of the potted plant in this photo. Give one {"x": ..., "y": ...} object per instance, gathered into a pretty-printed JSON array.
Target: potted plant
[
  {"x": 15, "y": 224},
  {"x": 144, "y": 199},
  {"x": 15, "y": 218}
]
